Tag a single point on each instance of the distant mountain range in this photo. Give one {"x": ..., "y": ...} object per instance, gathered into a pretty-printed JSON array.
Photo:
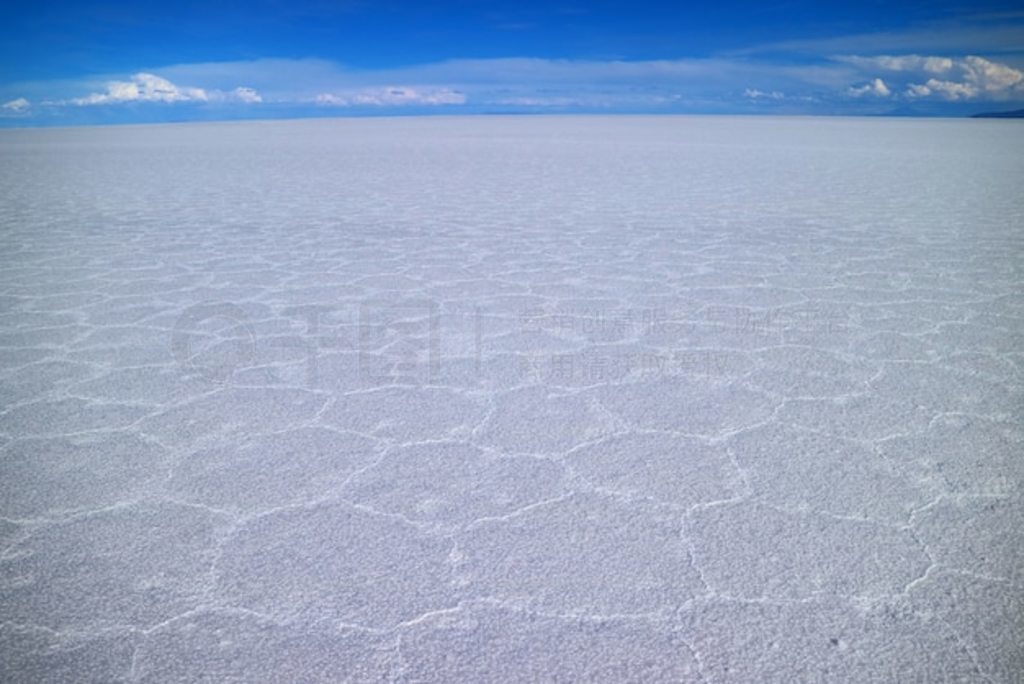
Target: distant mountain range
[{"x": 1015, "y": 114}]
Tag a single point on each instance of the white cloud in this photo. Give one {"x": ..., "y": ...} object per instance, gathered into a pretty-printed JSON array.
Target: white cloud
[
  {"x": 146, "y": 87},
  {"x": 944, "y": 78},
  {"x": 755, "y": 94},
  {"x": 876, "y": 88},
  {"x": 976, "y": 78},
  {"x": 143, "y": 87},
  {"x": 991, "y": 76},
  {"x": 248, "y": 95},
  {"x": 392, "y": 96},
  {"x": 950, "y": 90},
  {"x": 18, "y": 106}
]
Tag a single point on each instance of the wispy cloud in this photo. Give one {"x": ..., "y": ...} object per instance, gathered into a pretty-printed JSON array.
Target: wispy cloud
[
  {"x": 933, "y": 65},
  {"x": 945, "y": 66},
  {"x": 844, "y": 83},
  {"x": 997, "y": 33},
  {"x": 392, "y": 96}
]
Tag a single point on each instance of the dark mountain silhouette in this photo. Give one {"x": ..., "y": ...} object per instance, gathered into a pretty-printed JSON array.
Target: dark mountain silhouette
[{"x": 1015, "y": 114}]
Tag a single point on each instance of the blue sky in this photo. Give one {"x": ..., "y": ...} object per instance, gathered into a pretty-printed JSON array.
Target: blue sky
[{"x": 65, "y": 63}]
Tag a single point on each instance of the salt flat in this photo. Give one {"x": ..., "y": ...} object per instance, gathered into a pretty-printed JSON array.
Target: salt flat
[{"x": 513, "y": 399}]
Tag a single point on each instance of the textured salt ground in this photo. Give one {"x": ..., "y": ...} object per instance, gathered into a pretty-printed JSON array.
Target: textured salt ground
[{"x": 528, "y": 399}]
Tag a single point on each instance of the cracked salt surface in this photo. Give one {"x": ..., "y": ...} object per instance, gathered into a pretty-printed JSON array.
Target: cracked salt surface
[{"x": 518, "y": 399}]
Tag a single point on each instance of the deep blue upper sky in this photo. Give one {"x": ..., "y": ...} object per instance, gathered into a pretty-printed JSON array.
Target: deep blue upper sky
[{"x": 70, "y": 62}]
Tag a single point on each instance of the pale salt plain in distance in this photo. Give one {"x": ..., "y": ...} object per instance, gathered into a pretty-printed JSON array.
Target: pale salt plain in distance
[{"x": 513, "y": 399}]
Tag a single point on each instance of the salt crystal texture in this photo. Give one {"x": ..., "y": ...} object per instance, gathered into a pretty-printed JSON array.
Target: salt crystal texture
[{"x": 620, "y": 399}]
